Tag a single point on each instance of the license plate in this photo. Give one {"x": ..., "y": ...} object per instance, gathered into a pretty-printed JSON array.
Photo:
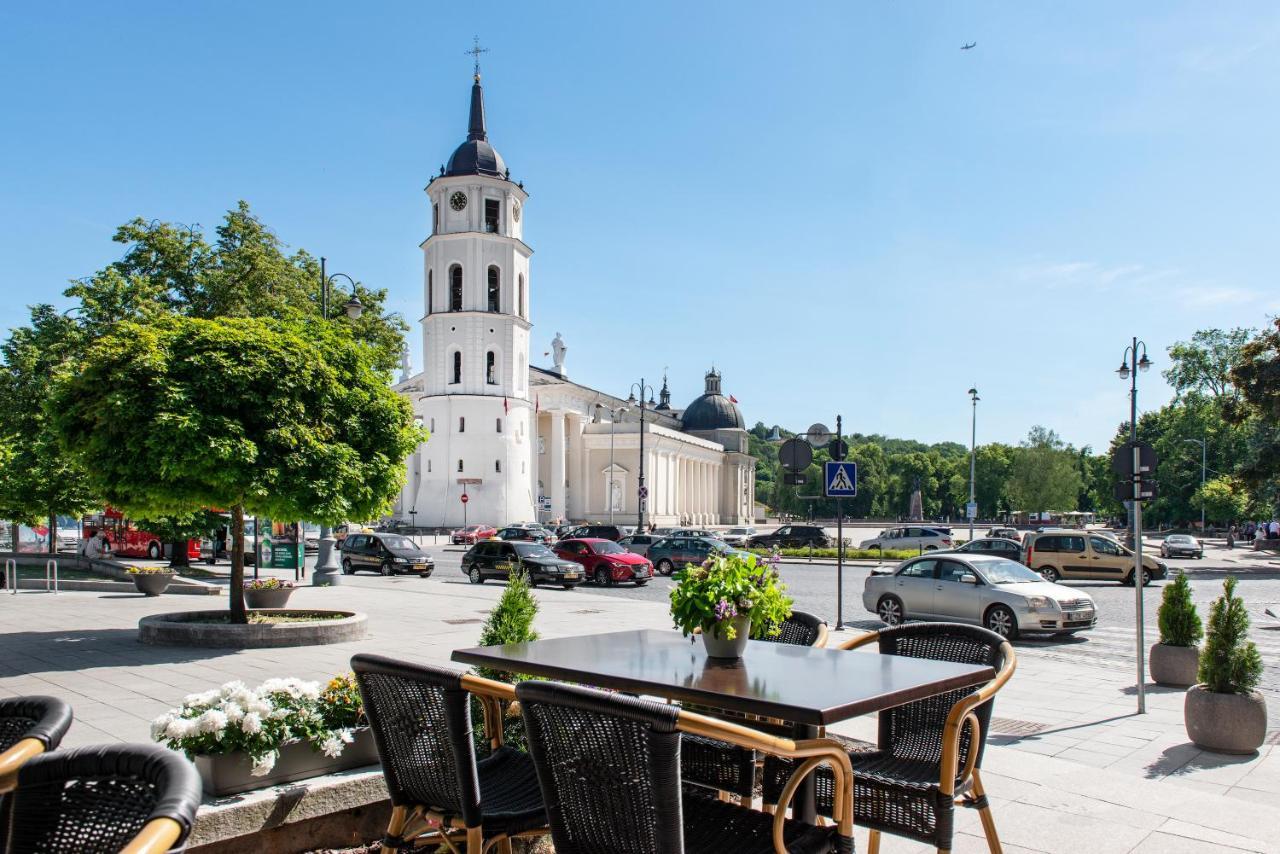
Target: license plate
[
  {"x": 419, "y": 566},
  {"x": 571, "y": 575}
]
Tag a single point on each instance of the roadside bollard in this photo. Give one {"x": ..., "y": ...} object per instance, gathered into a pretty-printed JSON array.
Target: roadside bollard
[
  {"x": 11, "y": 576},
  {"x": 51, "y": 572}
]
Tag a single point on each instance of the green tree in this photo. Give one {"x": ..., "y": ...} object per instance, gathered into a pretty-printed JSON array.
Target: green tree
[
  {"x": 282, "y": 419},
  {"x": 992, "y": 466},
  {"x": 37, "y": 481},
  {"x": 1225, "y": 499},
  {"x": 1257, "y": 376},
  {"x": 1204, "y": 363},
  {"x": 1229, "y": 662},
  {"x": 1179, "y": 622},
  {"x": 1044, "y": 476}
]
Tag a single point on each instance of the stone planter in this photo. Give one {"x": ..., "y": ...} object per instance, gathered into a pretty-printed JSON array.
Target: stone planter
[
  {"x": 1225, "y": 723},
  {"x": 718, "y": 646},
  {"x": 210, "y": 629},
  {"x": 1174, "y": 666},
  {"x": 230, "y": 773},
  {"x": 267, "y": 597},
  {"x": 151, "y": 583}
]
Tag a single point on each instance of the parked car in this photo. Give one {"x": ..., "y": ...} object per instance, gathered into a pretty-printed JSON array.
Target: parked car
[
  {"x": 389, "y": 554},
  {"x": 532, "y": 535},
  {"x": 692, "y": 532},
  {"x": 1181, "y": 545},
  {"x": 738, "y": 536},
  {"x": 638, "y": 543},
  {"x": 1006, "y": 533},
  {"x": 498, "y": 559},
  {"x": 598, "y": 532},
  {"x": 562, "y": 531},
  {"x": 926, "y": 538},
  {"x": 1004, "y": 596},
  {"x": 472, "y": 534},
  {"x": 672, "y": 553},
  {"x": 1083, "y": 554},
  {"x": 997, "y": 546},
  {"x": 606, "y": 562},
  {"x": 791, "y": 537}
]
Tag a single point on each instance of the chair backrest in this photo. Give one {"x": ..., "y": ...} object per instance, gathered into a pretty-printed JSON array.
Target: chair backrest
[
  {"x": 800, "y": 629},
  {"x": 608, "y": 766},
  {"x": 97, "y": 799},
  {"x": 914, "y": 730},
  {"x": 421, "y": 721},
  {"x": 44, "y": 718}
]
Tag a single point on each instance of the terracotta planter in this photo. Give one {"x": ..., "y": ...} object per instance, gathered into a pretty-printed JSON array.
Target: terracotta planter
[
  {"x": 1174, "y": 666},
  {"x": 719, "y": 646},
  {"x": 277, "y": 597},
  {"x": 230, "y": 773},
  {"x": 151, "y": 583},
  {"x": 1225, "y": 723}
]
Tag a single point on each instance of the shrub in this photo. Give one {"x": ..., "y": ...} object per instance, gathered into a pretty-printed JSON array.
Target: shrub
[
  {"x": 268, "y": 584},
  {"x": 510, "y": 621},
  {"x": 1229, "y": 664},
  {"x": 150, "y": 570},
  {"x": 725, "y": 586},
  {"x": 1179, "y": 622}
]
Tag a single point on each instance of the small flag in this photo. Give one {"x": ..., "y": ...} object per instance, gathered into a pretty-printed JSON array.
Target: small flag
[
  {"x": 506, "y": 409},
  {"x": 732, "y": 399}
]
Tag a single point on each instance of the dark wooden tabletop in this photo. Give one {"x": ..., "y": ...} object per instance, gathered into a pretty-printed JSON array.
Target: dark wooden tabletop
[{"x": 796, "y": 683}]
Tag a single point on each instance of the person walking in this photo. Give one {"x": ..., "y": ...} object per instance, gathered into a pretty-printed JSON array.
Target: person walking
[{"x": 1231, "y": 537}]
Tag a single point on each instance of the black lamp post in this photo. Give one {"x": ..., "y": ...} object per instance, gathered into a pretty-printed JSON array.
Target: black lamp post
[
  {"x": 642, "y": 493},
  {"x": 1140, "y": 363}
]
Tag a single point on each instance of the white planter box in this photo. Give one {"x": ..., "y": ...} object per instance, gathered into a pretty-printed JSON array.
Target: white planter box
[{"x": 230, "y": 773}]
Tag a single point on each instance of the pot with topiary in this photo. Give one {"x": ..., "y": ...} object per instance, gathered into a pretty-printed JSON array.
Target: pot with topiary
[
  {"x": 151, "y": 580},
  {"x": 1175, "y": 660},
  {"x": 267, "y": 593},
  {"x": 728, "y": 599},
  {"x": 1223, "y": 713}
]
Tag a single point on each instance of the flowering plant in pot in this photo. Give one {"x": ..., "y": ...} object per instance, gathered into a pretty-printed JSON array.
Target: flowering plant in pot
[
  {"x": 1223, "y": 713},
  {"x": 1175, "y": 660},
  {"x": 729, "y": 598},
  {"x": 244, "y": 738},
  {"x": 151, "y": 580},
  {"x": 267, "y": 592}
]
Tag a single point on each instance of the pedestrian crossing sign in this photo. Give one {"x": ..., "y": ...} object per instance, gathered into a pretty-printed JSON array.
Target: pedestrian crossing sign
[{"x": 841, "y": 479}]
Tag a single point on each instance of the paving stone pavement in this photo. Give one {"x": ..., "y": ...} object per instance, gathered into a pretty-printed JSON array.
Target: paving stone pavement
[{"x": 1070, "y": 766}]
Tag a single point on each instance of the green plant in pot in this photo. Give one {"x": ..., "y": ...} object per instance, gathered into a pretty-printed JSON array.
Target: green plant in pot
[
  {"x": 1223, "y": 713},
  {"x": 1175, "y": 660},
  {"x": 728, "y": 599},
  {"x": 150, "y": 580}
]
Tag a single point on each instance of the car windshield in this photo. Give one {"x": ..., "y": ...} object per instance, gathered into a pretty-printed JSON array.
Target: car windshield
[
  {"x": 1006, "y": 572},
  {"x": 395, "y": 541},
  {"x": 718, "y": 545},
  {"x": 739, "y": 531},
  {"x": 607, "y": 548},
  {"x": 533, "y": 550},
  {"x": 1180, "y": 538}
]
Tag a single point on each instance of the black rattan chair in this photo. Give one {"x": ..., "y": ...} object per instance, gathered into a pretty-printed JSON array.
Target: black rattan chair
[
  {"x": 139, "y": 798},
  {"x": 29, "y": 726},
  {"x": 928, "y": 756},
  {"x": 609, "y": 766},
  {"x": 421, "y": 721},
  {"x": 801, "y": 629}
]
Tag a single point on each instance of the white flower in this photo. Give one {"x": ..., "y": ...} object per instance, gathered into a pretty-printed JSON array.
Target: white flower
[
  {"x": 332, "y": 746},
  {"x": 233, "y": 712},
  {"x": 346, "y": 736},
  {"x": 263, "y": 766},
  {"x": 231, "y": 688},
  {"x": 179, "y": 728},
  {"x": 280, "y": 713},
  {"x": 212, "y": 721},
  {"x": 160, "y": 725},
  {"x": 251, "y": 723},
  {"x": 261, "y": 708},
  {"x": 202, "y": 699}
]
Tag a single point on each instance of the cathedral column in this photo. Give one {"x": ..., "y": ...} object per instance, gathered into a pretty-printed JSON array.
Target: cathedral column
[
  {"x": 556, "y": 469},
  {"x": 576, "y": 507},
  {"x": 700, "y": 507}
]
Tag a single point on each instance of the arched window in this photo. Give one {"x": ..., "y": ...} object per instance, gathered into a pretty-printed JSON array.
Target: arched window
[
  {"x": 428, "y": 466},
  {"x": 429, "y": 289},
  {"x": 455, "y": 288},
  {"x": 457, "y": 366},
  {"x": 495, "y": 289},
  {"x": 462, "y": 423},
  {"x": 499, "y": 425},
  {"x": 520, "y": 296},
  {"x": 435, "y": 218},
  {"x": 490, "y": 368},
  {"x": 497, "y": 466},
  {"x": 459, "y": 465}
]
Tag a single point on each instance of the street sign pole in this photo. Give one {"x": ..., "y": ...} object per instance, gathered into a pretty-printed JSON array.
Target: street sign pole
[
  {"x": 839, "y": 541},
  {"x": 1137, "y": 577}
]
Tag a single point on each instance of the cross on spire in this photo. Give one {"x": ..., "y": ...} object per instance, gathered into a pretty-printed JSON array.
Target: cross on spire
[{"x": 475, "y": 52}]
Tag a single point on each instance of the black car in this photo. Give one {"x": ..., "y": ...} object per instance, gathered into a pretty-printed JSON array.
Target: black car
[
  {"x": 498, "y": 559},
  {"x": 529, "y": 535},
  {"x": 388, "y": 554},
  {"x": 995, "y": 546},
  {"x": 791, "y": 537},
  {"x": 597, "y": 532}
]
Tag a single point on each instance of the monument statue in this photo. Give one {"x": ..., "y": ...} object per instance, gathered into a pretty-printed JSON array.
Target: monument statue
[
  {"x": 405, "y": 368},
  {"x": 558, "y": 349}
]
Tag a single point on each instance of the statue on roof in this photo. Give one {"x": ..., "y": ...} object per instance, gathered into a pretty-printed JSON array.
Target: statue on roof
[{"x": 558, "y": 350}]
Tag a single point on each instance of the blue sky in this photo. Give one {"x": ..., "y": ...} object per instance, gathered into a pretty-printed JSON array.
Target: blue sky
[{"x": 829, "y": 201}]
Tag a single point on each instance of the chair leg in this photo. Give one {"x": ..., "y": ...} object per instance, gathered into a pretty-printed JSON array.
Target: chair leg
[
  {"x": 984, "y": 812},
  {"x": 475, "y": 840},
  {"x": 873, "y": 842}
]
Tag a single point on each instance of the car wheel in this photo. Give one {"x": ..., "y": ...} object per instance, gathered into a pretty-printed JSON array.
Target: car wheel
[
  {"x": 604, "y": 578},
  {"x": 641, "y": 582},
  {"x": 346, "y": 566},
  {"x": 1164, "y": 553},
  {"x": 1050, "y": 574},
  {"x": 153, "y": 551},
  {"x": 424, "y": 575},
  {"x": 665, "y": 567},
  {"x": 475, "y": 575},
  {"x": 567, "y": 586},
  {"x": 1001, "y": 621},
  {"x": 533, "y": 581},
  {"x": 931, "y": 548},
  {"x": 387, "y": 568},
  {"x": 890, "y": 610}
]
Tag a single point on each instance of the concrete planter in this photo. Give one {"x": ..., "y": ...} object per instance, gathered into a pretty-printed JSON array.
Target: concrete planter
[
  {"x": 1225, "y": 723},
  {"x": 197, "y": 628},
  {"x": 718, "y": 646},
  {"x": 1174, "y": 666},
  {"x": 151, "y": 583},
  {"x": 231, "y": 773},
  {"x": 267, "y": 597}
]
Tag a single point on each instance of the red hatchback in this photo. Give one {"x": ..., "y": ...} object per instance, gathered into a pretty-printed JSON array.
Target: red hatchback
[
  {"x": 472, "y": 534},
  {"x": 605, "y": 562}
]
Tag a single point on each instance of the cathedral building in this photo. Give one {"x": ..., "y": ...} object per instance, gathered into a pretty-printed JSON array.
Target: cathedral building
[{"x": 525, "y": 443}]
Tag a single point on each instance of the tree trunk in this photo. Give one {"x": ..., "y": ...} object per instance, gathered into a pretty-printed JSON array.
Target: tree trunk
[
  {"x": 178, "y": 554},
  {"x": 53, "y": 534},
  {"x": 238, "y": 612}
]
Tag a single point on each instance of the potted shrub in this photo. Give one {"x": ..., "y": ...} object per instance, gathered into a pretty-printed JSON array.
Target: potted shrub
[
  {"x": 728, "y": 599},
  {"x": 1223, "y": 713},
  {"x": 267, "y": 593},
  {"x": 151, "y": 580},
  {"x": 1175, "y": 660},
  {"x": 284, "y": 730}
]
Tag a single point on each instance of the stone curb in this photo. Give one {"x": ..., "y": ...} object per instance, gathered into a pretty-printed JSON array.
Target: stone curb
[
  {"x": 82, "y": 586},
  {"x": 177, "y": 629}
]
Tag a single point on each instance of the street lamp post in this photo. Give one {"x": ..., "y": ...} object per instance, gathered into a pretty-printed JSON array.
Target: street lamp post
[
  {"x": 613, "y": 421},
  {"x": 1203, "y": 469},
  {"x": 1140, "y": 363},
  {"x": 327, "y": 572},
  {"x": 971, "y": 510},
  {"x": 642, "y": 493}
]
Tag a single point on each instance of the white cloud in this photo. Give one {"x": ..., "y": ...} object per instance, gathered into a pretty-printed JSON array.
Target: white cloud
[
  {"x": 1208, "y": 296},
  {"x": 1078, "y": 274}
]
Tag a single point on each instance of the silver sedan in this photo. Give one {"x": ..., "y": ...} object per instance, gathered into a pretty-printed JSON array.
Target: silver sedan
[{"x": 1000, "y": 594}]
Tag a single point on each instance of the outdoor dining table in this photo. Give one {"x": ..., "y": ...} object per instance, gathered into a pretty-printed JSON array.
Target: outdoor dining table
[{"x": 807, "y": 687}]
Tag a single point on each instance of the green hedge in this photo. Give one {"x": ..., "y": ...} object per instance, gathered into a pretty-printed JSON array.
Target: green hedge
[{"x": 851, "y": 554}]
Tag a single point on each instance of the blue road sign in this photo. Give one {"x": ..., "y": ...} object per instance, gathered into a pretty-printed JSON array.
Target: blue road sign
[{"x": 841, "y": 479}]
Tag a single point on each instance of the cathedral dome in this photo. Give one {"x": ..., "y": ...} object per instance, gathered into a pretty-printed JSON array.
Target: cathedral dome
[
  {"x": 712, "y": 411},
  {"x": 476, "y": 156}
]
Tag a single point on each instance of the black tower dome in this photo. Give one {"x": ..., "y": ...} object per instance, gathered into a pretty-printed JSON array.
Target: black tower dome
[
  {"x": 476, "y": 156},
  {"x": 712, "y": 411}
]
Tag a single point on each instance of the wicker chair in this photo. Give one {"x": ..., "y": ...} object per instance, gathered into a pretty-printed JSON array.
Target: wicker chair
[
  {"x": 29, "y": 726},
  {"x": 421, "y": 721},
  {"x": 132, "y": 798},
  {"x": 609, "y": 766},
  {"x": 928, "y": 758},
  {"x": 726, "y": 767}
]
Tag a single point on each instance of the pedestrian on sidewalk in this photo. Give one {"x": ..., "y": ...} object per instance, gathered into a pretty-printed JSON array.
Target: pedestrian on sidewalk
[{"x": 1231, "y": 537}]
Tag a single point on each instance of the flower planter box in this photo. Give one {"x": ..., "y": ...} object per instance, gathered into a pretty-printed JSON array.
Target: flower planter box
[
  {"x": 231, "y": 773},
  {"x": 268, "y": 598},
  {"x": 151, "y": 583}
]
